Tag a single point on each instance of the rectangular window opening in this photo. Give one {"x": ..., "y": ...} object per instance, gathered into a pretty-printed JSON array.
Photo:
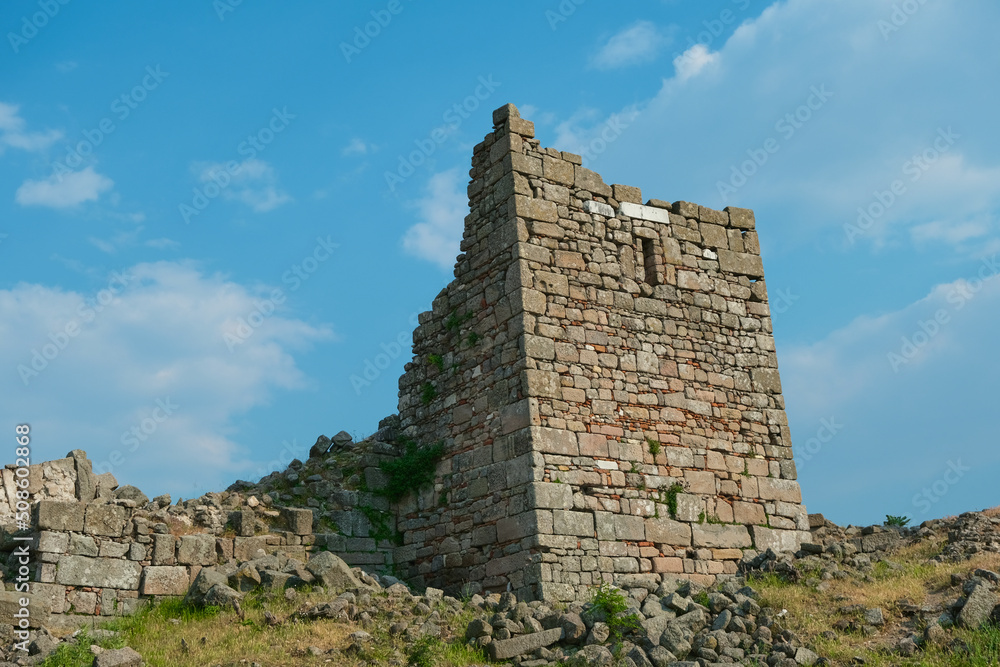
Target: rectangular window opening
[{"x": 649, "y": 261}]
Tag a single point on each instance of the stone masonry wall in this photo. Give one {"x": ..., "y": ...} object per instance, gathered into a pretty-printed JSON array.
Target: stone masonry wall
[
  {"x": 603, "y": 375},
  {"x": 99, "y": 549}
]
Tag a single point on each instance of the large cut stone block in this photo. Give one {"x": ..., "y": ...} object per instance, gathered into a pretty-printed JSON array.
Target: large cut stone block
[
  {"x": 546, "y": 495},
  {"x": 165, "y": 580},
  {"x": 245, "y": 548},
  {"x": 163, "y": 549},
  {"x": 59, "y": 515},
  {"x": 766, "y": 380},
  {"x": 502, "y": 649},
  {"x": 566, "y": 522},
  {"x": 10, "y": 604},
  {"x": 772, "y": 488},
  {"x": 107, "y": 520},
  {"x": 53, "y": 542},
  {"x": 650, "y": 213},
  {"x": 668, "y": 531},
  {"x": 720, "y": 536},
  {"x": 778, "y": 540},
  {"x": 98, "y": 572},
  {"x": 536, "y": 209},
  {"x": 542, "y": 384},
  {"x": 298, "y": 520},
  {"x": 554, "y": 441},
  {"x": 741, "y": 263},
  {"x": 196, "y": 550}
]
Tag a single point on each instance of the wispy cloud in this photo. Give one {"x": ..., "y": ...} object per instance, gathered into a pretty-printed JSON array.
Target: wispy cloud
[
  {"x": 356, "y": 147},
  {"x": 160, "y": 336},
  {"x": 690, "y": 63},
  {"x": 639, "y": 43},
  {"x": 255, "y": 184},
  {"x": 64, "y": 190},
  {"x": 952, "y": 233},
  {"x": 14, "y": 135},
  {"x": 442, "y": 212}
]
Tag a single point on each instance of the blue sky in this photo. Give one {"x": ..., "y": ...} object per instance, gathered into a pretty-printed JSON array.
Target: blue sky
[{"x": 219, "y": 222}]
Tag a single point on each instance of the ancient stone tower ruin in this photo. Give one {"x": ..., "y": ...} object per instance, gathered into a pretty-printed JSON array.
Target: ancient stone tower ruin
[{"x": 603, "y": 376}]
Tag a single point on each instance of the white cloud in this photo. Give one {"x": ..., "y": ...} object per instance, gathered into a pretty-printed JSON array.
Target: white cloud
[
  {"x": 356, "y": 147},
  {"x": 639, "y": 43},
  {"x": 255, "y": 184},
  {"x": 589, "y": 133},
  {"x": 161, "y": 336},
  {"x": 67, "y": 66},
  {"x": 952, "y": 233},
  {"x": 838, "y": 149},
  {"x": 13, "y": 134},
  {"x": 894, "y": 381},
  {"x": 693, "y": 61},
  {"x": 442, "y": 212},
  {"x": 64, "y": 190}
]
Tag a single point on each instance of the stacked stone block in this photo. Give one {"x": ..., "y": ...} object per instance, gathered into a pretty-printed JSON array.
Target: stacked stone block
[
  {"x": 101, "y": 558},
  {"x": 603, "y": 374}
]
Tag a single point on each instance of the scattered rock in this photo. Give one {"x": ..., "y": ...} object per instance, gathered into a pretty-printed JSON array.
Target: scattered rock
[
  {"x": 978, "y": 607},
  {"x": 120, "y": 657}
]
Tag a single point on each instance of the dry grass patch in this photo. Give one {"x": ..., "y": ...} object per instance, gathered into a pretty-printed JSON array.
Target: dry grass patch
[
  {"x": 171, "y": 634},
  {"x": 908, "y": 578}
]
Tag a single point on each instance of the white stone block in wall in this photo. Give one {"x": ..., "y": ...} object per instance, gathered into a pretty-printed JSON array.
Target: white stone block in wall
[
  {"x": 650, "y": 213},
  {"x": 591, "y": 206}
]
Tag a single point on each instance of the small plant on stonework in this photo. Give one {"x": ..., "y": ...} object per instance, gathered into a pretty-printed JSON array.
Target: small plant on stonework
[
  {"x": 892, "y": 520},
  {"x": 670, "y": 496},
  {"x": 472, "y": 339},
  {"x": 654, "y": 446},
  {"x": 701, "y": 517},
  {"x": 436, "y": 360},
  {"x": 411, "y": 471},
  {"x": 612, "y": 602},
  {"x": 746, "y": 469},
  {"x": 455, "y": 321},
  {"x": 702, "y": 598},
  {"x": 427, "y": 393}
]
